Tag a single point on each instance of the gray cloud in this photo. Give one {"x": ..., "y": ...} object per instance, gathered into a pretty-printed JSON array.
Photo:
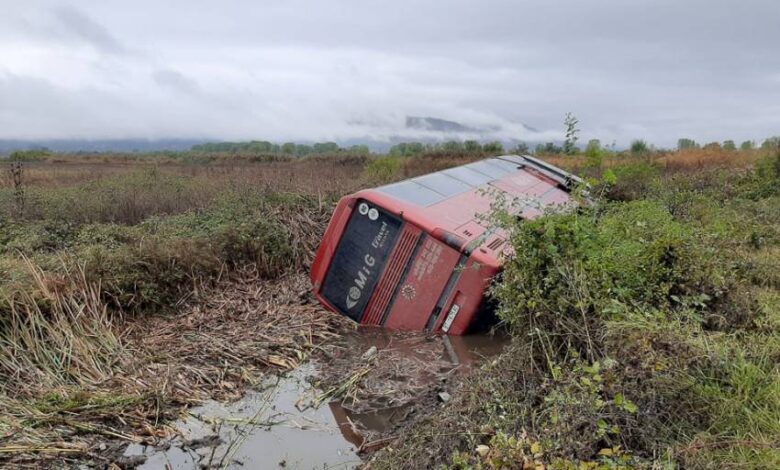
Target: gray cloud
[
  {"x": 87, "y": 29},
  {"x": 297, "y": 69},
  {"x": 175, "y": 81}
]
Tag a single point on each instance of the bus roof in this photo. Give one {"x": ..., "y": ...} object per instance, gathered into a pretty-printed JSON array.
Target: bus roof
[
  {"x": 457, "y": 199},
  {"x": 434, "y": 188}
]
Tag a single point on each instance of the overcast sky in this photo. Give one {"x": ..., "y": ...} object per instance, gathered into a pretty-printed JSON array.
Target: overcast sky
[{"x": 316, "y": 70}]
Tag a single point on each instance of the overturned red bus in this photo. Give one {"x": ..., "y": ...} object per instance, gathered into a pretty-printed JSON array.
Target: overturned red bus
[{"x": 420, "y": 254}]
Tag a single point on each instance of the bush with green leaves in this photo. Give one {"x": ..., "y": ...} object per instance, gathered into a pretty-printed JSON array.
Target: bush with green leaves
[
  {"x": 639, "y": 147},
  {"x": 34, "y": 155},
  {"x": 670, "y": 300},
  {"x": 628, "y": 253},
  {"x": 633, "y": 180}
]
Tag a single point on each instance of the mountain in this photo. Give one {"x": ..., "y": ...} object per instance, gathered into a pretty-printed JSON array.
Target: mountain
[
  {"x": 380, "y": 136},
  {"x": 437, "y": 125},
  {"x": 106, "y": 145}
]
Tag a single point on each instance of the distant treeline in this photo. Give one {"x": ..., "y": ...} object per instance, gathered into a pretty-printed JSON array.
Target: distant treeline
[
  {"x": 261, "y": 150},
  {"x": 401, "y": 149},
  {"x": 287, "y": 148},
  {"x": 472, "y": 147},
  {"x": 769, "y": 143},
  {"x": 409, "y": 149}
]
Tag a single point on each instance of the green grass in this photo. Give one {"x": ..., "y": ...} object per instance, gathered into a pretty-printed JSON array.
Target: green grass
[{"x": 153, "y": 262}]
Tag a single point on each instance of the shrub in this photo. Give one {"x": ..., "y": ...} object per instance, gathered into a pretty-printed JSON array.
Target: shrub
[
  {"x": 765, "y": 181},
  {"x": 639, "y": 147},
  {"x": 633, "y": 180},
  {"x": 29, "y": 155},
  {"x": 686, "y": 144},
  {"x": 634, "y": 286},
  {"x": 154, "y": 263},
  {"x": 384, "y": 169},
  {"x": 493, "y": 148},
  {"x": 580, "y": 265}
]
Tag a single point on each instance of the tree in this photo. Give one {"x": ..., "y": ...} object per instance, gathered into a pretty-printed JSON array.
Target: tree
[
  {"x": 522, "y": 148},
  {"x": 712, "y": 146},
  {"x": 360, "y": 150},
  {"x": 729, "y": 145},
  {"x": 415, "y": 148},
  {"x": 639, "y": 146},
  {"x": 288, "y": 148},
  {"x": 472, "y": 146},
  {"x": 406, "y": 149},
  {"x": 325, "y": 147},
  {"x": 398, "y": 150},
  {"x": 593, "y": 149},
  {"x": 494, "y": 148},
  {"x": 594, "y": 156},
  {"x": 771, "y": 143},
  {"x": 686, "y": 144},
  {"x": 747, "y": 145},
  {"x": 262, "y": 146},
  {"x": 572, "y": 134},
  {"x": 452, "y": 146},
  {"x": 547, "y": 149}
]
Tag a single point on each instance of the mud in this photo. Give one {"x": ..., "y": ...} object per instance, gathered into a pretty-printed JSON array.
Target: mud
[{"x": 297, "y": 421}]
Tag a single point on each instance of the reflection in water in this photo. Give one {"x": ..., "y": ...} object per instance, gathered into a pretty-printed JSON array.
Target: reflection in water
[
  {"x": 351, "y": 424},
  {"x": 272, "y": 428},
  {"x": 277, "y": 427},
  {"x": 445, "y": 354}
]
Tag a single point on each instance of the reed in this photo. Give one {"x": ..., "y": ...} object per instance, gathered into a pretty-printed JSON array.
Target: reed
[{"x": 56, "y": 335}]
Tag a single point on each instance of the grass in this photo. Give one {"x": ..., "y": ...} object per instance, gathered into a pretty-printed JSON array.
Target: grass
[
  {"x": 56, "y": 335},
  {"x": 97, "y": 253},
  {"x": 646, "y": 328}
]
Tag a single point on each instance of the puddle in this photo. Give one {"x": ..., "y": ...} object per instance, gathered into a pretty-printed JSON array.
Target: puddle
[
  {"x": 459, "y": 351},
  {"x": 278, "y": 425}
]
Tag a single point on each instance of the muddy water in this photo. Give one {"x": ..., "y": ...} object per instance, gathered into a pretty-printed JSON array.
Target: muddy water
[{"x": 279, "y": 426}]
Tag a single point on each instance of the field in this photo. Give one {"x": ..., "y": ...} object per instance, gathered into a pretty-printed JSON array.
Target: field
[{"x": 646, "y": 328}]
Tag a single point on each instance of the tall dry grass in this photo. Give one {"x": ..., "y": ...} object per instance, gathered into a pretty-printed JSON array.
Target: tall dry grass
[
  {"x": 56, "y": 333},
  {"x": 699, "y": 159},
  {"x": 308, "y": 175},
  {"x": 130, "y": 193},
  {"x": 668, "y": 161}
]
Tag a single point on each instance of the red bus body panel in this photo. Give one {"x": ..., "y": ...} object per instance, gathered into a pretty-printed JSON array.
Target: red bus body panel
[{"x": 447, "y": 253}]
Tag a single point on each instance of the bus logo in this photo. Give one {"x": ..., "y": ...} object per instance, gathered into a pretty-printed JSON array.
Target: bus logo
[
  {"x": 353, "y": 297},
  {"x": 409, "y": 292},
  {"x": 356, "y": 291}
]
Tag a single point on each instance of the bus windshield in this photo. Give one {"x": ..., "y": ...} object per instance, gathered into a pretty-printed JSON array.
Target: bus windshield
[{"x": 361, "y": 255}]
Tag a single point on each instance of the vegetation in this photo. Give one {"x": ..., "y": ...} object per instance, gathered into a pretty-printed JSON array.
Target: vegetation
[
  {"x": 572, "y": 134},
  {"x": 646, "y": 335},
  {"x": 287, "y": 148},
  {"x": 99, "y": 252},
  {"x": 646, "y": 329},
  {"x": 686, "y": 144},
  {"x": 29, "y": 155}
]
